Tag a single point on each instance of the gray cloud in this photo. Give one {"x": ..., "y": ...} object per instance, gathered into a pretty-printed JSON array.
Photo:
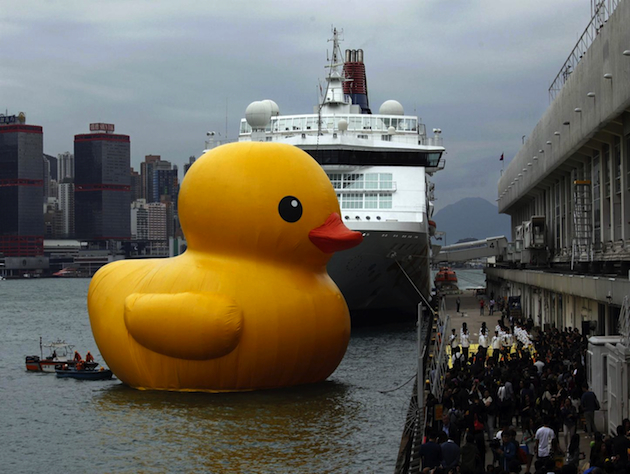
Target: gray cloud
[{"x": 166, "y": 72}]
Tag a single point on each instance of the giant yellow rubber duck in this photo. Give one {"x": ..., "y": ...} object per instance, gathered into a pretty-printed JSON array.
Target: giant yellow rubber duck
[{"x": 249, "y": 305}]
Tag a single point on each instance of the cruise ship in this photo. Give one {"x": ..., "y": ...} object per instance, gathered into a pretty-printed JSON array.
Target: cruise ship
[{"x": 379, "y": 165}]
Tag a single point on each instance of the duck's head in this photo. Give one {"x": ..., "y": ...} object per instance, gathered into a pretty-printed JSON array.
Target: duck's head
[{"x": 265, "y": 199}]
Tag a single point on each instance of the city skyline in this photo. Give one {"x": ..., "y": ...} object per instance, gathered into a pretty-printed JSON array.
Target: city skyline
[{"x": 166, "y": 74}]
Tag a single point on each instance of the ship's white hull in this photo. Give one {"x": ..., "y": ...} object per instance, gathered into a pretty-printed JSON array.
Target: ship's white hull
[{"x": 386, "y": 273}]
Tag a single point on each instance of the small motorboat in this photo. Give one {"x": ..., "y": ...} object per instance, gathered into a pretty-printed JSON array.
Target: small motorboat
[
  {"x": 59, "y": 353},
  {"x": 446, "y": 281},
  {"x": 84, "y": 373}
]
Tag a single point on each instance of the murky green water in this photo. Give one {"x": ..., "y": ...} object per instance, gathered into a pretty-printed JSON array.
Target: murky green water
[{"x": 344, "y": 425}]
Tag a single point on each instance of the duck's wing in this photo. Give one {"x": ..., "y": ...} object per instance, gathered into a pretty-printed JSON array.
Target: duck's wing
[{"x": 196, "y": 326}]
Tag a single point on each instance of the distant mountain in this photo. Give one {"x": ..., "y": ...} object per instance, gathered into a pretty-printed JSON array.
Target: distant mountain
[{"x": 471, "y": 218}]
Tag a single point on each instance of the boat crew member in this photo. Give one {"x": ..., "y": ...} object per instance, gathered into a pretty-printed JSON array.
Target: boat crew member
[
  {"x": 77, "y": 356},
  {"x": 89, "y": 357}
]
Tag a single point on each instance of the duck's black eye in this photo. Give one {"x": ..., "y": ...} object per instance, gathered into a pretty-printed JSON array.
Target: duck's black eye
[{"x": 290, "y": 209}]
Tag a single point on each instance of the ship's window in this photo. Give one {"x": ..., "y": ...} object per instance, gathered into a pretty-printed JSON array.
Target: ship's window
[
  {"x": 433, "y": 159},
  {"x": 371, "y": 181},
  {"x": 371, "y": 200},
  {"x": 386, "y": 138},
  {"x": 335, "y": 179},
  {"x": 355, "y": 123},
  {"x": 378, "y": 181},
  {"x": 352, "y": 201},
  {"x": 385, "y": 181},
  {"x": 384, "y": 201},
  {"x": 353, "y": 181},
  {"x": 311, "y": 123},
  {"x": 299, "y": 123},
  {"x": 245, "y": 128}
]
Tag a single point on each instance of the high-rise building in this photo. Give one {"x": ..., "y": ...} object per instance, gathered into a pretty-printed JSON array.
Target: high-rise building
[
  {"x": 157, "y": 221},
  {"x": 65, "y": 167},
  {"x": 146, "y": 171},
  {"x": 165, "y": 183},
  {"x": 136, "y": 185},
  {"x": 187, "y": 166},
  {"x": 46, "y": 179},
  {"x": 21, "y": 188},
  {"x": 102, "y": 189},
  {"x": 65, "y": 191},
  {"x": 53, "y": 220},
  {"x": 54, "y": 175},
  {"x": 139, "y": 220}
]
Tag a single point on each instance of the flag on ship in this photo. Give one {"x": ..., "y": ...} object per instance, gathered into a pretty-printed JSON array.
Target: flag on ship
[{"x": 501, "y": 159}]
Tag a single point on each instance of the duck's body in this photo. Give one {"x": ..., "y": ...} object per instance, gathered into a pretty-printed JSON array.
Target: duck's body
[{"x": 236, "y": 311}]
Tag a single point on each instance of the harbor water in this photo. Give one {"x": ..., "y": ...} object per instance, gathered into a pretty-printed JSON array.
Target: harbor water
[{"x": 350, "y": 423}]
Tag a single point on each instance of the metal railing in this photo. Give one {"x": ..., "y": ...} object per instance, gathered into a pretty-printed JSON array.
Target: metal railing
[
  {"x": 439, "y": 361},
  {"x": 602, "y": 11},
  {"x": 389, "y": 186}
]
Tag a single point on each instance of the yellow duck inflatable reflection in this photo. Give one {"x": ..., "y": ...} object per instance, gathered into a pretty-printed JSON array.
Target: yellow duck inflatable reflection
[{"x": 249, "y": 305}]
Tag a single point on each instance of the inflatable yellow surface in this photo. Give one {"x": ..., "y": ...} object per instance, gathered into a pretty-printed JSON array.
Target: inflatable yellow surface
[{"x": 249, "y": 305}]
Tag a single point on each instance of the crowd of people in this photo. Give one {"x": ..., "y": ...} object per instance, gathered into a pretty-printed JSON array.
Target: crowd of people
[{"x": 517, "y": 404}]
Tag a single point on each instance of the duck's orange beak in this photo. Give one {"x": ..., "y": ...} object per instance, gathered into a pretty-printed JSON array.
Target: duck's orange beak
[{"x": 334, "y": 236}]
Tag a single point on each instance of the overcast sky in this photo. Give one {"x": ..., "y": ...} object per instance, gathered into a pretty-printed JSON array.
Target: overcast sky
[{"x": 166, "y": 72}]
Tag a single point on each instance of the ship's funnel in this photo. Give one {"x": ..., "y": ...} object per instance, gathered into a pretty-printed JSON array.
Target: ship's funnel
[{"x": 356, "y": 85}]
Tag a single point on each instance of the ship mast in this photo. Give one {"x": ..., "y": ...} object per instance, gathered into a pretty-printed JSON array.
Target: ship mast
[{"x": 334, "y": 95}]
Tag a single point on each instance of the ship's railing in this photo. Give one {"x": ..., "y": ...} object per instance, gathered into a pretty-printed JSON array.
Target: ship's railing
[
  {"x": 330, "y": 123},
  {"x": 382, "y": 187},
  {"x": 432, "y": 141},
  {"x": 603, "y": 10}
]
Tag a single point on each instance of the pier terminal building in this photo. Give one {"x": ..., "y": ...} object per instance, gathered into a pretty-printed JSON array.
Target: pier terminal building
[{"x": 568, "y": 194}]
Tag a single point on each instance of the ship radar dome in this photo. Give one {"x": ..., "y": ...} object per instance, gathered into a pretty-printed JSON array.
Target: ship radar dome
[
  {"x": 275, "y": 110},
  {"x": 258, "y": 114},
  {"x": 391, "y": 107},
  {"x": 342, "y": 125}
]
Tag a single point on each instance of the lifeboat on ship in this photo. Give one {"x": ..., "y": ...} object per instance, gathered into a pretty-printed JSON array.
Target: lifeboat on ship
[{"x": 446, "y": 281}]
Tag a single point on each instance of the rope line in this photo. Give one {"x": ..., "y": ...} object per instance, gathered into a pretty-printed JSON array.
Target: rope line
[{"x": 397, "y": 388}]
